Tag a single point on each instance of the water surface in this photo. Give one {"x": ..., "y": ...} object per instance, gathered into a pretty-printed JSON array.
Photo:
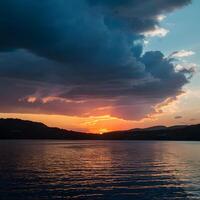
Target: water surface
[{"x": 99, "y": 170}]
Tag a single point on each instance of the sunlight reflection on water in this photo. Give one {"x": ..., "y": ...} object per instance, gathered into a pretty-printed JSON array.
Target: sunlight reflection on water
[{"x": 119, "y": 170}]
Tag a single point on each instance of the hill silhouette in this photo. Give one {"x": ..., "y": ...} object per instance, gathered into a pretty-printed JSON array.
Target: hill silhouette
[{"x": 21, "y": 129}]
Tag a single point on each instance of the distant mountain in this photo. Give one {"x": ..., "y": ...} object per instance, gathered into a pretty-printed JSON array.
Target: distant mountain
[
  {"x": 20, "y": 129},
  {"x": 153, "y": 128},
  {"x": 179, "y": 132}
]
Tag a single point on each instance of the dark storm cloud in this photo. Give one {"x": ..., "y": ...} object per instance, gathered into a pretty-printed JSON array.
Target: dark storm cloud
[
  {"x": 86, "y": 49},
  {"x": 138, "y": 15},
  {"x": 178, "y": 117}
]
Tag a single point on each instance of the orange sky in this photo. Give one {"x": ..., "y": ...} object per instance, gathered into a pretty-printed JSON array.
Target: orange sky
[{"x": 166, "y": 113}]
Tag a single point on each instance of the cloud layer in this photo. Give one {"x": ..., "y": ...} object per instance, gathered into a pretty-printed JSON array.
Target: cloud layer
[{"x": 84, "y": 57}]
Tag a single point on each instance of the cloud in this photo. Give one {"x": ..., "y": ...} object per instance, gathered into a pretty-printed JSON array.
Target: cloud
[
  {"x": 182, "y": 54},
  {"x": 178, "y": 117},
  {"x": 158, "y": 31},
  {"x": 161, "y": 17},
  {"x": 57, "y": 53}
]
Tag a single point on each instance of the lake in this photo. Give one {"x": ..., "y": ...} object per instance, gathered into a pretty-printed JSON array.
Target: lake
[{"x": 99, "y": 170}]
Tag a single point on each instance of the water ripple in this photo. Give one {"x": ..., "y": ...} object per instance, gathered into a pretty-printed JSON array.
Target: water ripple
[{"x": 102, "y": 170}]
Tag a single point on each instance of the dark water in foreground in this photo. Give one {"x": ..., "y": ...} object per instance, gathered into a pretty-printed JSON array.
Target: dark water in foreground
[{"x": 93, "y": 170}]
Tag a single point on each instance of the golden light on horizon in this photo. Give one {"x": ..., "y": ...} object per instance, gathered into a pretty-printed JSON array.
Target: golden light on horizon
[
  {"x": 103, "y": 130},
  {"x": 164, "y": 115},
  {"x": 97, "y": 124}
]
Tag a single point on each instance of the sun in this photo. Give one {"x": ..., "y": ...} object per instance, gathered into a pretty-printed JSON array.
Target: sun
[{"x": 103, "y": 130}]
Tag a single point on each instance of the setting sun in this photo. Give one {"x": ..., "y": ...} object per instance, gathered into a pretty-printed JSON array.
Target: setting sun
[{"x": 103, "y": 130}]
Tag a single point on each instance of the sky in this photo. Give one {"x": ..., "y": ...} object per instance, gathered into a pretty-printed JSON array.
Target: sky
[{"x": 100, "y": 65}]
